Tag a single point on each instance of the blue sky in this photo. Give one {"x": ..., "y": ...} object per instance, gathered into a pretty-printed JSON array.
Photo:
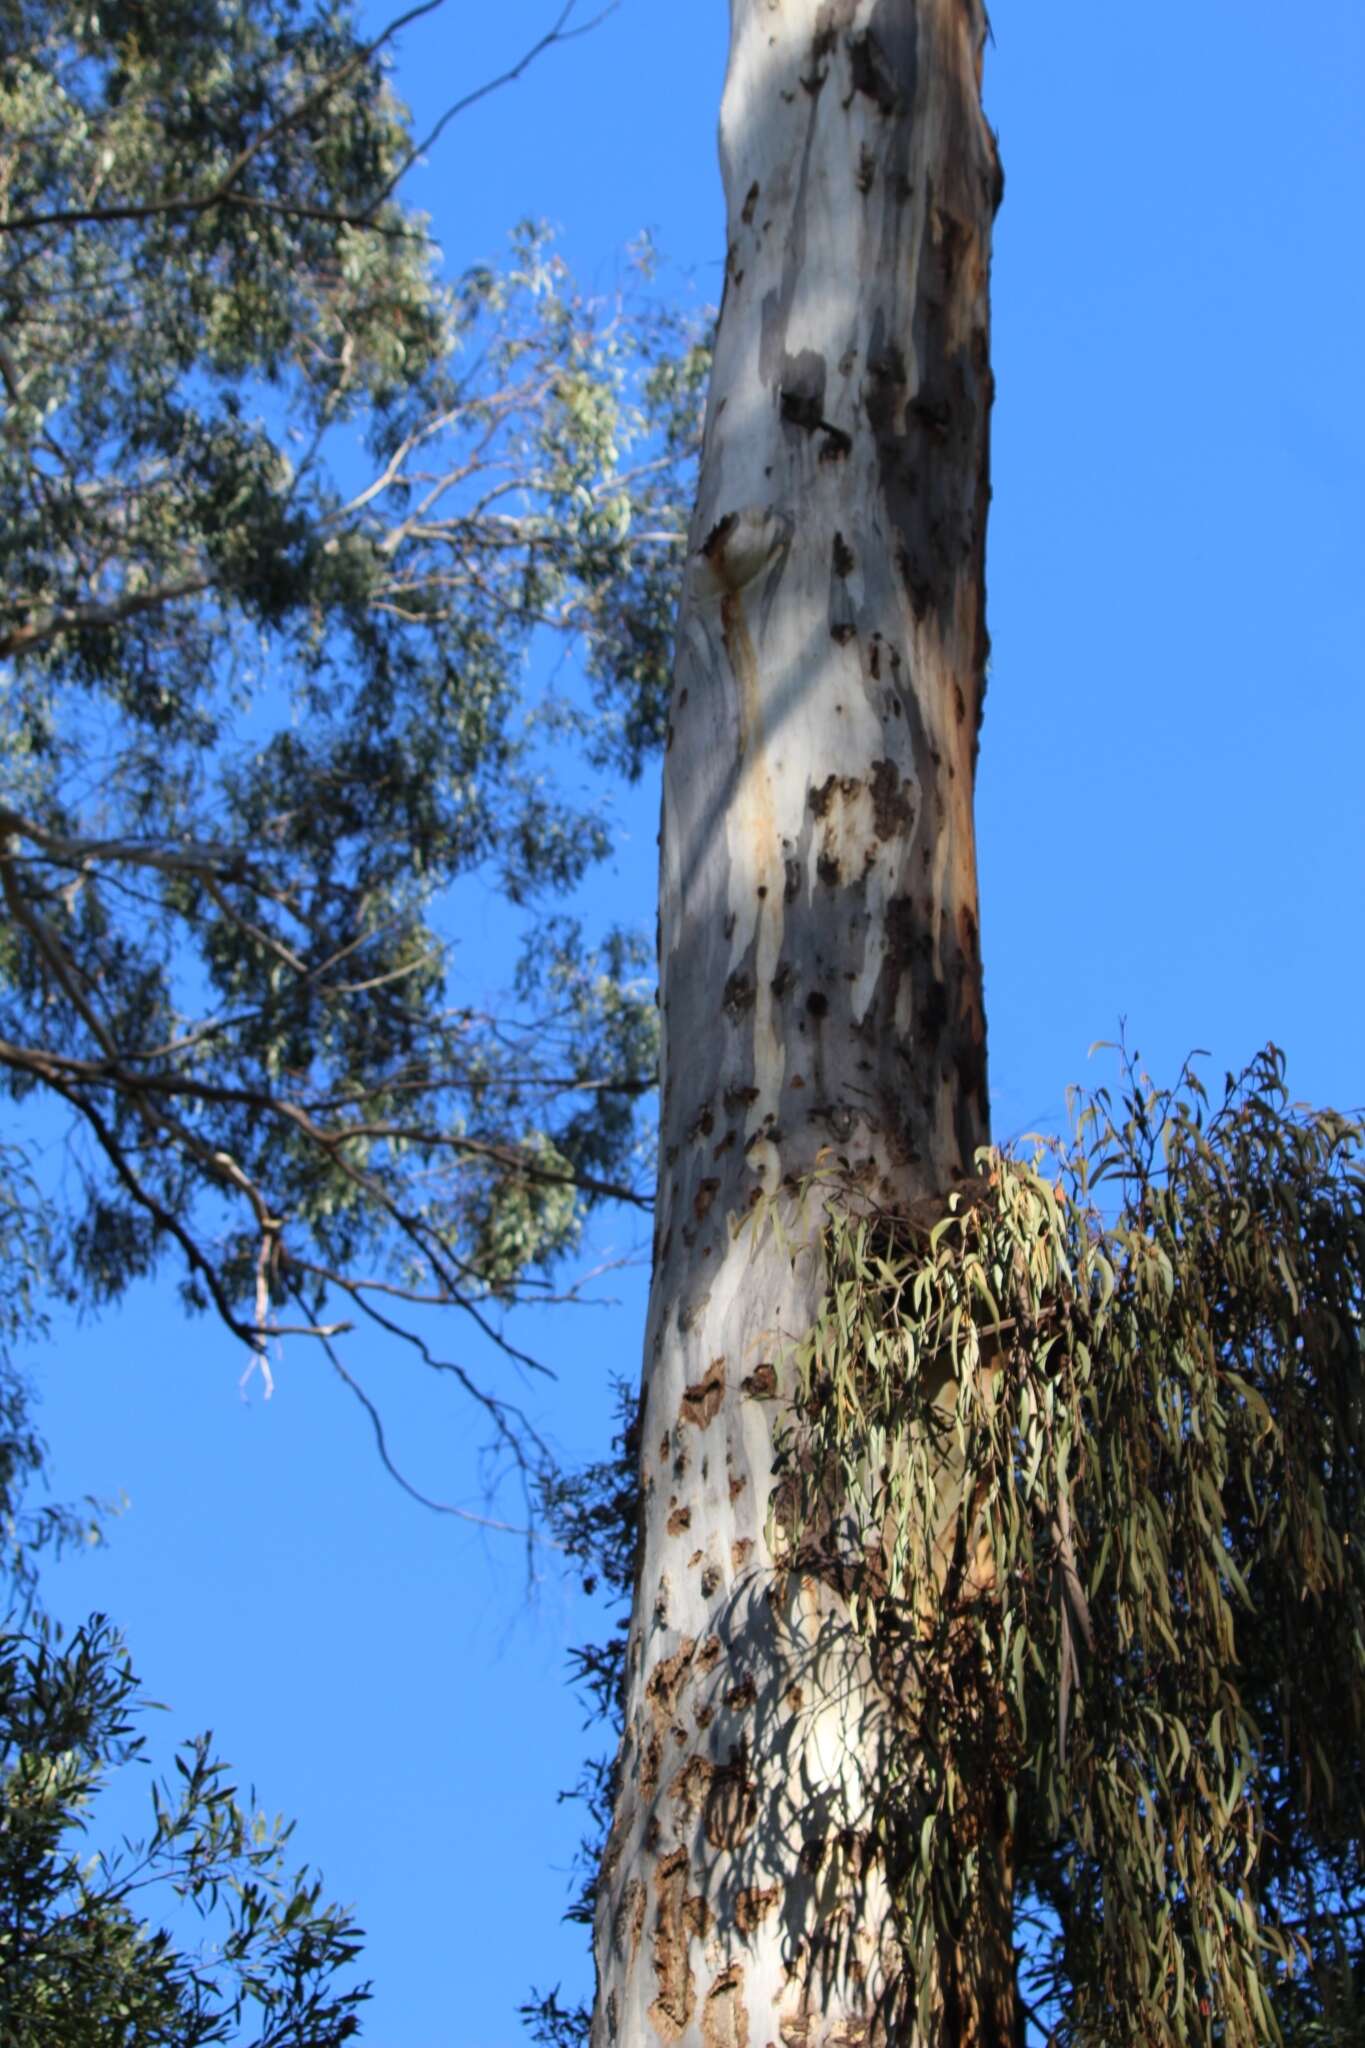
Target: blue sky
[{"x": 1171, "y": 832}]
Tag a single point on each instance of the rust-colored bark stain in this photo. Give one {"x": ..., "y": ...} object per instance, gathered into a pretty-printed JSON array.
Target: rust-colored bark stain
[
  {"x": 702, "y": 1404},
  {"x": 802, "y": 2030},
  {"x": 761, "y": 1383},
  {"x": 668, "y": 1680},
  {"x": 671, "y": 2011},
  {"x": 739, "y": 1552},
  {"x": 752, "y": 1907},
  {"x": 679, "y": 1519},
  {"x": 687, "y": 1793},
  {"x": 724, "y": 2021}
]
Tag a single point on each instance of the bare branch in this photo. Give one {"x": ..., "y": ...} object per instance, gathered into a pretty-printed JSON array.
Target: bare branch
[{"x": 560, "y": 33}]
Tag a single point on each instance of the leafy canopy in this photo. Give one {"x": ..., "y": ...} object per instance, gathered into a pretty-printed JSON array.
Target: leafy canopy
[{"x": 283, "y": 519}]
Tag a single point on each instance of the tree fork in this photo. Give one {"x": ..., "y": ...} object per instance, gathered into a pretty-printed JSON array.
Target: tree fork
[{"x": 820, "y": 983}]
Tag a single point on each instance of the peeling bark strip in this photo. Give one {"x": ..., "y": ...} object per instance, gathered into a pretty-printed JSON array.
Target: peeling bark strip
[{"x": 820, "y": 981}]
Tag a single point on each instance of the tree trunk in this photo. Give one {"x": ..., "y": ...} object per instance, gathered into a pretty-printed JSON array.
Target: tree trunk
[{"x": 821, "y": 996}]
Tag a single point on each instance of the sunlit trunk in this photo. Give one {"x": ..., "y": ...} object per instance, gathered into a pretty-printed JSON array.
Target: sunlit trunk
[{"x": 821, "y": 995}]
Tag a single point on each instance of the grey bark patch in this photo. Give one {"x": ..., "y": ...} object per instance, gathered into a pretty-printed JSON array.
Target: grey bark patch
[
  {"x": 834, "y": 15},
  {"x": 702, "y": 1124},
  {"x": 872, "y": 74},
  {"x": 820, "y": 799},
  {"x": 892, "y": 813},
  {"x": 691, "y": 1312},
  {"x": 739, "y": 1099},
  {"x": 803, "y": 390},
  {"x": 739, "y": 994}
]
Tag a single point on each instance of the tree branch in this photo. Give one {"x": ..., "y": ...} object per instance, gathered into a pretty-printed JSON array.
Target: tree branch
[{"x": 23, "y": 639}]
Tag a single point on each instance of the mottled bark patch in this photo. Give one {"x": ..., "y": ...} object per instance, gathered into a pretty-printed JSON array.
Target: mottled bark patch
[
  {"x": 672, "y": 2008},
  {"x": 668, "y": 1680},
  {"x": 804, "y": 2031},
  {"x": 680, "y": 1519},
  {"x": 760, "y": 1384},
  {"x": 724, "y": 2020},
  {"x": 631, "y": 1918},
  {"x": 701, "y": 1404},
  {"x": 731, "y": 1803}
]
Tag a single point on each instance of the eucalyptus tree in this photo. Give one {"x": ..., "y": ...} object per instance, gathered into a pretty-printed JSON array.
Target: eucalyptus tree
[
  {"x": 284, "y": 517},
  {"x": 999, "y": 1590},
  {"x": 820, "y": 987}
]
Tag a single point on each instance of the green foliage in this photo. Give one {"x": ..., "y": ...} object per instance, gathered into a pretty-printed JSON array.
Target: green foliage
[
  {"x": 283, "y": 519},
  {"x": 82, "y": 1957},
  {"x": 1092, "y": 1481}
]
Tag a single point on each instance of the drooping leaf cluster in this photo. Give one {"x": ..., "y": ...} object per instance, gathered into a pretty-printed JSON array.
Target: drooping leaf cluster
[
  {"x": 283, "y": 520},
  {"x": 1086, "y": 1451}
]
